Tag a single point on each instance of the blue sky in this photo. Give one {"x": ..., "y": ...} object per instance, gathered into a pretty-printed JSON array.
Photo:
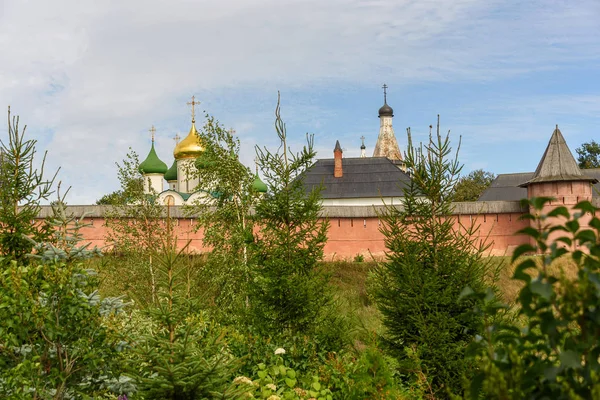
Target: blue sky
[{"x": 90, "y": 78}]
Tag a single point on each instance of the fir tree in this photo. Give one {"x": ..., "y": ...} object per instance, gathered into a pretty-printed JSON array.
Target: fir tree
[
  {"x": 180, "y": 353},
  {"x": 288, "y": 289},
  {"x": 22, "y": 188},
  {"x": 428, "y": 265}
]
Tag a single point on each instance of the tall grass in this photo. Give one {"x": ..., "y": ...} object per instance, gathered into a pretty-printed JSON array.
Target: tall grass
[{"x": 120, "y": 275}]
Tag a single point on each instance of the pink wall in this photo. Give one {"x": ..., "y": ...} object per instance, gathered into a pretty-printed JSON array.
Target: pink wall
[{"x": 351, "y": 236}]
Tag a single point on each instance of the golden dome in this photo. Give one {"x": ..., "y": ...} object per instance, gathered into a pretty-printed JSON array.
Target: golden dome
[{"x": 189, "y": 147}]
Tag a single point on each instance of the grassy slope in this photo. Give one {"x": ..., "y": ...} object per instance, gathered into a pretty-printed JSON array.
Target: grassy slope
[{"x": 349, "y": 281}]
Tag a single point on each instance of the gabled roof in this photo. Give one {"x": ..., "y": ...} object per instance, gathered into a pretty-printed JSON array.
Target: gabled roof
[
  {"x": 557, "y": 163},
  {"x": 363, "y": 177},
  {"x": 508, "y": 187}
]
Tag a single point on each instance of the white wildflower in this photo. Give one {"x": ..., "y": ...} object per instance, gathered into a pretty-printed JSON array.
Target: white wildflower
[
  {"x": 242, "y": 380},
  {"x": 271, "y": 386},
  {"x": 279, "y": 351},
  {"x": 273, "y": 397}
]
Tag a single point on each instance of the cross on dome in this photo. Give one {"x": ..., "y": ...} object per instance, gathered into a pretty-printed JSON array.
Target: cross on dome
[
  {"x": 152, "y": 132},
  {"x": 193, "y": 104},
  {"x": 385, "y": 92},
  {"x": 176, "y": 138}
]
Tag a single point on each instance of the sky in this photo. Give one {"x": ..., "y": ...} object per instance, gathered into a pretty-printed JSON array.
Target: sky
[{"x": 89, "y": 78}]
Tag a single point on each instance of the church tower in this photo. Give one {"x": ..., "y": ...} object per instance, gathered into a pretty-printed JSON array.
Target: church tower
[
  {"x": 185, "y": 154},
  {"x": 387, "y": 145},
  {"x": 153, "y": 170}
]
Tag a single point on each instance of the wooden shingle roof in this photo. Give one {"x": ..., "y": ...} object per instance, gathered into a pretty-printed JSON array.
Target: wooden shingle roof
[{"x": 557, "y": 163}]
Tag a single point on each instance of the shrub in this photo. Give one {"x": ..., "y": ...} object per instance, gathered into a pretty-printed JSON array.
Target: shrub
[
  {"x": 359, "y": 258},
  {"x": 551, "y": 350},
  {"x": 57, "y": 339}
]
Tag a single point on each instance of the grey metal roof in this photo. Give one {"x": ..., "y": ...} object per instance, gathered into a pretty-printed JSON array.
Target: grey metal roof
[
  {"x": 363, "y": 177},
  {"x": 557, "y": 163},
  {"x": 507, "y": 186}
]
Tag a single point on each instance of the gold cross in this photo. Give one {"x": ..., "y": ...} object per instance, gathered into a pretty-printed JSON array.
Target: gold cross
[
  {"x": 176, "y": 139},
  {"x": 193, "y": 104},
  {"x": 385, "y": 93},
  {"x": 232, "y": 131},
  {"x": 363, "y": 140},
  {"x": 152, "y": 131}
]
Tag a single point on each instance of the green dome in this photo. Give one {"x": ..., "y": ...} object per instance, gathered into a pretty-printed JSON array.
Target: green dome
[
  {"x": 259, "y": 185},
  {"x": 152, "y": 164},
  {"x": 171, "y": 174}
]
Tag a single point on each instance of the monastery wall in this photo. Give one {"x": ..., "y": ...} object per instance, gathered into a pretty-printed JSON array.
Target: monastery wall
[{"x": 352, "y": 231}]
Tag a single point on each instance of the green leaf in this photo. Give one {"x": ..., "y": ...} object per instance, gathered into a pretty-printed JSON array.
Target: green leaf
[
  {"x": 570, "y": 359},
  {"x": 586, "y": 207},
  {"x": 316, "y": 386},
  {"x": 538, "y": 203},
  {"x": 564, "y": 239},
  {"x": 572, "y": 226},
  {"x": 521, "y": 268},
  {"x": 527, "y": 216},
  {"x": 530, "y": 231},
  {"x": 522, "y": 249},
  {"x": 466, "y": 292},
  {"x": 550, "y": 373},
  {"x": 595, "y": 223},
  {"x": 559, "y": 211},
  {"x": 290, "y": 382},
  {"x": 543, "y": 289},
  {"x": 585, "y": 236}
]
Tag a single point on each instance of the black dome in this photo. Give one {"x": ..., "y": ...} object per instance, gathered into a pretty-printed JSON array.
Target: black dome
[{"x": 386, "y": 111}]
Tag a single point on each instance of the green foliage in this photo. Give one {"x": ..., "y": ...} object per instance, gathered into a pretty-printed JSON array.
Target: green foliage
[
  {"x": 359, "y": 258},
  {"x": 224, "y": 215},
  {"x": 22, "y": 188},
  {"x": 131, "y": 180},
  {"x": 428, "y": 264},
  {"x": 135, "y": 227},
  {"x": 470, "y": 187},
  {"x": 279, "y": 381},
  {"x": 588, "y": 155},
  {"x": 180, "y": 354},
  {"x": 288, "y": 291},
  {"x": 551, "y": 350},
  {"x": 368, "y": 375},
  {"x": 56, "y": 339}
]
